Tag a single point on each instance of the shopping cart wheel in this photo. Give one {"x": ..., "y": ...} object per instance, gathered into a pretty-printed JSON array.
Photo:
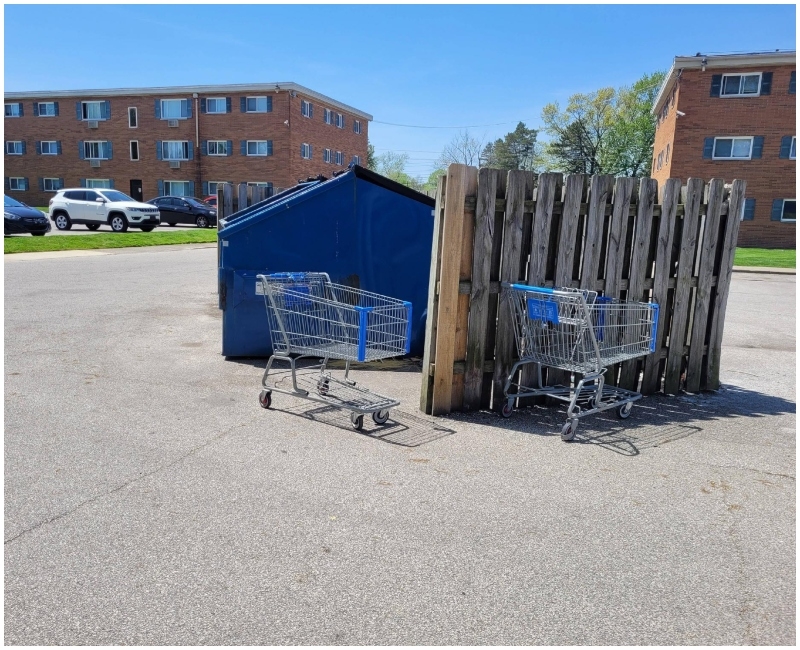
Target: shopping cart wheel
[
  {"x": 323, "y": 386},
  {"x": 357, "y": 420},
  {"x": 265, "y": 398},
  {"x": 507, "y": 409},
  {"x": 380, "y": 417},
  {"x": 624, "y": 411},
  {"x": 568, "y": 430}
]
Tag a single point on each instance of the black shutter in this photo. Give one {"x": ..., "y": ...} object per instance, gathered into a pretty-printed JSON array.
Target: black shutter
[
  {"x": 39, "y": 148},
  {"x": 21, "y": 109},
  {"x": 749, "y": 210},
  {"x": 81, "y": 150},
  {"x": 243, "y": 104},
  {"x": 227, "y": 104},
  {"x": 758, "y": 146},
  {"x": 777, "y": 210},
  {"x": 41, "y": 180},
  {"x": 708, "y": 148},
  {"x": 36, "y": 109},
  {"x": 55, "y": 108},
  {"x": 78, "y": 111},
  {"x": 791, "y": 83},
  {"x": 204, "y": 147},
  {"x": 766, "y": 83},
  {"x": 786, "y": 146},
  {"x": 158, "y": 109},
  {"x": 269, "y": 104},
  {"x": 716, "y": 85},
  {"x": 23, "y": 147},
  {"x": 202, "y": 105},
  {"x": 158, "y": 149},
  {"x": 243, "y": 149},
  {"x": 229, "y": 148},
  {"x": 58, "y": 147}
]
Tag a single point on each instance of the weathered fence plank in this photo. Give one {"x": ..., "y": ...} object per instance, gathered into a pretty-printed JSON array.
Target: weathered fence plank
[
  {"x": 242, "y": 198},
  {"x": 599, "y": 193},
  {"x": 708, "y": 254}
]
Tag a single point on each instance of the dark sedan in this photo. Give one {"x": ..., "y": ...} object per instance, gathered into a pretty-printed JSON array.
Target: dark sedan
[
  {"x": 185, "y": 210},
  {"x": 22, "y": 219}
]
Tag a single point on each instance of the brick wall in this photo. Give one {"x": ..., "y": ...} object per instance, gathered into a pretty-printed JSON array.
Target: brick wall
[
  {"x": 771, "y": 116},
  {"x": 283, "y": 168}
]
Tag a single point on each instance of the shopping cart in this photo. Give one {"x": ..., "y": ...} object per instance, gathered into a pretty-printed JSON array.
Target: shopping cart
[
  {"x": 580, "y": 332},
  {"x": 311, "y": 317}
]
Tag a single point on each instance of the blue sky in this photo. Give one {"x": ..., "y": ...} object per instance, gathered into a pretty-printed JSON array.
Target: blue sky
[{"x": 441, "y": 65}]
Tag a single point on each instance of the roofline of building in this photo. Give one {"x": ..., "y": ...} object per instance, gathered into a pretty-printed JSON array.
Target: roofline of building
[
  {"x": 706, "y": 61},
  {"x": 171, "y": 90}
]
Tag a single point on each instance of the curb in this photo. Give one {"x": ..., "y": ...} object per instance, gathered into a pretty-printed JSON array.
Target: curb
[
  {"x": 764, "y": 269},
  {"x": 91, "y": 252}
]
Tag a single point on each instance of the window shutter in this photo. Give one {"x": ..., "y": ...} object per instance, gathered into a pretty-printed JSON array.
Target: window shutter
[
  {"x": 716, "y": 85},
  {"x": 184, "y": 108},
  {"x": 749, "y": 210},
  {"x": 109, "y": 152},
  {"x": 766, "y": 83},
  {"x": 227, "y": 104},
  {"x": 269, "y": 147},
  {"x": 158, "y": 109},
  {"x": 158, "y": 149},
  {"x": 21, "y": 109},
  {"x": 39, "y": 148},
  {"x": 60, "y": 183},
  {"x": 82, "y": 150},
  {"x": 758, "y": 146},
  {"x": 78, "y": 112},
  {"x": 310, "y": 151},
  {"x": 7, "y": 182},
  {"x": 243, "y": 104},
  {"x": 105, "y": 110},
  {"x": 55, "y": 108},
  {"x": 244, "y": 147},
  {"x": 188, "y": 108},
  {"x": 708, "y": 148},
  {"x": 41, "y": 180},
  {"x": 191, "y": 151},
  {"x": 229, "y": 148},
  {"x": 205, "y": 188},
  {"x": 36, "y": 109},
  {"x": 786, "y": 146},
  {"x": 23, "y": 146},
  {"x": 777, "y": 210},
  {"x": 161, "y": 188},
  {"x": 204, "y": 147},
  {"x": 58, "y": 147},
  {"x": 310, "y": 109},
  {"x": 269, "y": 103},
  {"x": 111, "y": 183},
  {"x": 25, "y": 185},
  {"x": 302, "y": 150},
  {"x": 791, "y": 84},
  {"x": 202, "y": 105},
  {"x": 191, "y": 188},
  {"x": 82, "y": 182}
]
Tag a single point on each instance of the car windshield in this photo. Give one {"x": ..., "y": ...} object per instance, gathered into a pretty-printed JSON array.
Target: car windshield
[
  {"x": 195, "y": 202},
  {"x": 8, "y": 202},
  {"x": 113, "y": 195}
]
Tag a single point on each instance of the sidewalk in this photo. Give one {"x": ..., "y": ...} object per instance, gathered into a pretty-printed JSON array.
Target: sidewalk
[{"x": 764, "y": 269}]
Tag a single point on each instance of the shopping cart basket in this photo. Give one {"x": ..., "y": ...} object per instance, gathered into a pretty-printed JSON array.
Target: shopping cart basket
[
  {"x": 580, "y": 332},
  {"x": 310, "y": 316}
]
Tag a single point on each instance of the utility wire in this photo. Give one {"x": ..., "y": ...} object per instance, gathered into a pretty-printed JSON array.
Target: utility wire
[{"x": 469, "y": 126}]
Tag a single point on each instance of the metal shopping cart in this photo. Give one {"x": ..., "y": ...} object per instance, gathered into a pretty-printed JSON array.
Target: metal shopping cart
[
  {"x": 580, "y": 332},
  {"x": 311, "y": 317}
]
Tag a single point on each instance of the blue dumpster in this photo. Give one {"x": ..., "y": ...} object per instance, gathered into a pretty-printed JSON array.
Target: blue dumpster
[{"x": 363, "y": 229}]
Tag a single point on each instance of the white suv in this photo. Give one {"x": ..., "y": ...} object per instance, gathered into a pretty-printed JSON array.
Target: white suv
[{"x": 95, "y": 207}]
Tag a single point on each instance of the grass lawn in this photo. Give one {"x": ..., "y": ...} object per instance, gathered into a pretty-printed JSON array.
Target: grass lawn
[
  {"x": 28, "y": 244},
  {"x": 776, "y": 258}
]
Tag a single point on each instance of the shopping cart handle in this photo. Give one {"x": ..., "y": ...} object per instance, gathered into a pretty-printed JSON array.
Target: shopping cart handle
[
  {"x": 525, "y": 287},
  {"x": 291, "y": 276}
]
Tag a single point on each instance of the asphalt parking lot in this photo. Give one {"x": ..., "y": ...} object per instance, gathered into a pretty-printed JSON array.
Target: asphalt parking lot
[{"x": 150, "y": 500}]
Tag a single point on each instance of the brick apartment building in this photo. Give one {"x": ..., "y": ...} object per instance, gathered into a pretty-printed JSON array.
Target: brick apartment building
[
  {"x": 182, "y": 140},
  {"x": 733, "y": 116}
]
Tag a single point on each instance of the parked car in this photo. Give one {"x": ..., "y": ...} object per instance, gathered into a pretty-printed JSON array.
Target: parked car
[
  {"x": 211, "y": 200},
  {"x": 185, "y": 210},
  {"x": 95, "y": 207},
  {"x": 21, "y": 218}
]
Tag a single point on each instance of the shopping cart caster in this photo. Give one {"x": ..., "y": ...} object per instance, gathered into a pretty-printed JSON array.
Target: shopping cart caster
[
  {"x": 624, "y": 411},
  {"x": 507, "y": 409},
  {"x": 265, "y": 398},
  {"x": 568, "y": 430},
  {"x": 357, "y": 420},
  {"x": 380, "y": 417},
  {"x": 323, "y": 386}
]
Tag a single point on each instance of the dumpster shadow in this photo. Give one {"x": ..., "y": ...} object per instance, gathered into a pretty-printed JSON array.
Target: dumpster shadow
[
  {"x": 403, "y": 429},
  {"x": 655, "y": 421},
  {"x": 401, "y": 364}
]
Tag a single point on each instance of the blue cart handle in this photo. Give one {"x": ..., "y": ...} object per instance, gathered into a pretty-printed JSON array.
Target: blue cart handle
[{"x": 525, "y": 287}]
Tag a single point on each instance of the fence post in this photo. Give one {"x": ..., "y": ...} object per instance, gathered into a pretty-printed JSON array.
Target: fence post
[{"x": 227, "y": 199}]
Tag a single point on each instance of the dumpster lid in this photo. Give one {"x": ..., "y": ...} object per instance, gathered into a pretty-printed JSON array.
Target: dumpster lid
[{"x": 389, "y": 184}]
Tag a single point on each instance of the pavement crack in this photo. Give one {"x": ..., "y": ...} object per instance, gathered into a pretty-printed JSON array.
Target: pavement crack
[{"x": 135, "y": 479}]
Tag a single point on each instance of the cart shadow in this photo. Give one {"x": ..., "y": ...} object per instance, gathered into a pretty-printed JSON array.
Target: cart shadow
[
  {"x": 656, "y": 420},
  {"x": 403, "y": 429}
]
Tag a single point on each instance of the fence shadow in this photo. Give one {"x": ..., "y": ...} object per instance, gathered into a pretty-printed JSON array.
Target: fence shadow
[{"x": 656, "y": 420}]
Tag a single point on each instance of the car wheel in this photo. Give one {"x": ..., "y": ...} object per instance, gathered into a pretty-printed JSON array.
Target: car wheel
[
  {"x": 119, "y": 223},
  {"x": 147, "y": 228},
  {"x": 37, "y": 234},
  {"x": 202, "y": 222},
  {"x": 92, "y": 226},
  {"x": 171, "y": 224},
  {"x": 63, "y": 222}
]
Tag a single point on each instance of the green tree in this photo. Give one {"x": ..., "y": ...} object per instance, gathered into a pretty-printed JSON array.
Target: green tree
[
  {"x": 393, "y": 165},
  {"x": 517, "y": 150},
  {"x": 432, "y": 183},
  {"x": 463, "y": 149},
  {"x": 372, "y": 163}
]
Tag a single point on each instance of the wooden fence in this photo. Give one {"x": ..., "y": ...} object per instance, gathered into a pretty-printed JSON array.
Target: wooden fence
[
  {"x": 600, "y": 233},
  {"x": 231, "y": 199}
]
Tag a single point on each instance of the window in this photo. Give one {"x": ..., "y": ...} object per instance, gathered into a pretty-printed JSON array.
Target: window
[
  {"x": 357, "y": 126},
  {"x": 259, "y": 147},
  {"x": 172, "y": 109},
  {"x": 17, "y": 184},
  {"x": 357, "y": 160},
  {"x": 96, "y": 150},
  {"x": 217, "y": 147},
  {"x": 788, "y": 210},
  {"x": 216, "y": 105},
  {"x": 99, "y": 183},
  {"x": 666, "y": 157},
  {"x": 51, "y": 184},
  {"x": 14, "y": 110},
  {"x": 175, "y": 150},
  {"x": 328, "y": 116},
  {"x": 660, "y": 160},
  {"x": 49, "y": 147},
  {"x": 93, "y": 110},
  {"x": 306, "y": 108},
  {"x": 134, "y": 150},
  {"x": 258, "y": 105},
  {"x": 792, "y": 83},
  {"x": 177, "y": 188},
  {"x": 740, "y": 85},
  {"x": 305, "y": 151},
  {"x": 732, "y": 148},
  {"x": 339, "y": 120},
  {"x": 327, "y": 156},
  {"x": 339, "y": 158},
  {"x": 133, "y": 117},
  {"x": 212, "y": 186},
  {"x": 47, "y": 109},
  {"x": 665, "y": 111},
  {"x": 14, "y": 148},
  {"x": 793, "y": 150}
]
